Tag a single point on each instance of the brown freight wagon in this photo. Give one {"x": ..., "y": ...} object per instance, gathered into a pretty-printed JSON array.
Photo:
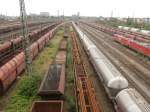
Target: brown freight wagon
[
  {"x": 53, "y": 84},
  {"x": 63, "y": 45},
  {"x": 48, "y": 106},
  {"x": 60, "y": 57}
]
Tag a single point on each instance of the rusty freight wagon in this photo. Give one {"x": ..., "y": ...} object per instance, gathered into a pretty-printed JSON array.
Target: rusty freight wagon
[
  {"x": 48, "y": 106},
  {"x": 53, "y": 84},
  {"x": 63, "y": 45},
  {"x": 60, "y": 57}
]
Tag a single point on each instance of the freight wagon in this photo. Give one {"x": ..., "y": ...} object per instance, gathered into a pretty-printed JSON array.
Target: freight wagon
[
  {"x": 11, "y": 69},
  {"x": 125, "y": 99}
]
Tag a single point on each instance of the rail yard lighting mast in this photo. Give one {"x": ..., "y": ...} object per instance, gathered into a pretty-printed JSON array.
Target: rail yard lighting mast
[{"x": 26, "y": 41}]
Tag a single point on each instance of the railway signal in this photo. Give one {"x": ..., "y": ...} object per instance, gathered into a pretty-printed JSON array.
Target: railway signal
[{"x": 26, "y": 41}]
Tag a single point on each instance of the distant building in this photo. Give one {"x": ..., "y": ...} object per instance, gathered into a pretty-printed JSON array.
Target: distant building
[
  {"x": 101, "y": 18},
  {"x": 8, "y": 18},
  {"x": 33, "y": 14},
  {"x": 147, "y": 20},
  {"x": 139, "y": 20},
  {"x": 45, "y": 14},
  {"x": 78, "y": 14},
  {"x": 107, "y": 18},
  {"x": 123, "y": 19}
]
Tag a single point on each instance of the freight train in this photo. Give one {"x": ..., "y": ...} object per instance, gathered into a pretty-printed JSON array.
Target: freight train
[
  {"x": 52, "y": 88},
  {"x": 125, "y": 99},
  {"x": 138, "y": 44},
  {"x": 134, "y": 40},
  {"x": 135, "y": 30},
  {"x": 8, "y": 48},
  {"x": 16, "y": 26},
  {"x": 11, "y": 69},
  {"x": 53, "y": 84}
]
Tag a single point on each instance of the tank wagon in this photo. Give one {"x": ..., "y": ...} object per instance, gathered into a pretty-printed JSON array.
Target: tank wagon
[
  {"x": 139, "y": 44},
  {"x": 16, "y": 26},
  {"x": 128, "y": 36},
  {"x": 135, "y": 30},
  {"x": 11, "y": 69},
  {"x": 116, "y": 85},
  {"x": 112, "y": 79},
  {"x": 7, "y": 48},
  {"x": 129, "y": 100}
]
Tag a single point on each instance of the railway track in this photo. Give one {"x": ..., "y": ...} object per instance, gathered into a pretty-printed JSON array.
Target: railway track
[
  {"x": 135, "y": 42},
  {"x": 16, "y": 26},
  {"x": 13, "y": 34},
  {"x": 130, "y": 52},
  {"x": 15, "y": 66},
  {"x": 142, "y": 65},
  {"x": 138, "y": 76},
  {"x": 13, "y": 49}
]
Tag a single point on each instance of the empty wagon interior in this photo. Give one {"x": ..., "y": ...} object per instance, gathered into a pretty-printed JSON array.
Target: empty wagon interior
[
  {"x": 51, "y": 80},
  {"x": 48, "y": 106}
]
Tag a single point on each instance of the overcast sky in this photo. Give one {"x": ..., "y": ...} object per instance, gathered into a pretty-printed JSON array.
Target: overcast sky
[{"x": 122, "y": 8}]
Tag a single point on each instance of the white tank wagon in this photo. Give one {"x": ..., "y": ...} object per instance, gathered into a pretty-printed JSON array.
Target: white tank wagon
[
  {"x": 129, "y": 28},
  {"x": 126, "y": 28},
  {"x": 146, "y": 32},
  {"x": 86, "y": 42},
  {"x": 124, "y": 100},
  {"x": 134, "y": 30},
  {"x": 129, "y": 100},
  {"x": 110, "y": 76}
]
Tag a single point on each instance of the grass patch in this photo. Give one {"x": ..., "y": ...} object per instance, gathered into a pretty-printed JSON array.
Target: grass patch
[
  {"x": 26, "y": 89},
  {"x": 69, "y": 94}
]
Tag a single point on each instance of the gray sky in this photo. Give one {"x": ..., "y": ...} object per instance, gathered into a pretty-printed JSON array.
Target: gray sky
[{"x": 122, "y": 8}]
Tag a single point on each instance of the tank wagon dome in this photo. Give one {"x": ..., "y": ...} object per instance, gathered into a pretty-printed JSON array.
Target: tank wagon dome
[
  {"x": 113, "y": 79},
  {"x": 129, "y": 100},
  {"x": 111, "y": 76},
  {"x": 118, "y": 82}
]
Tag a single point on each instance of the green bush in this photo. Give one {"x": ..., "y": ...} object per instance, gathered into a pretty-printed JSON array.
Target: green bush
[
  {"x": 25, "y": 94},
  {"x": 70, "y": 98},
  {"x": 28, "y": 87}
]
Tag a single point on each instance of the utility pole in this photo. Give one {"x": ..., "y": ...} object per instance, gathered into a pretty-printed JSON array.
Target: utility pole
[
  {"x": 58, "y": 15},
  {"x": 63, "y": 15},
  {"x": 26, "y": 40},
  {"x": 111, "y": 14}
]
